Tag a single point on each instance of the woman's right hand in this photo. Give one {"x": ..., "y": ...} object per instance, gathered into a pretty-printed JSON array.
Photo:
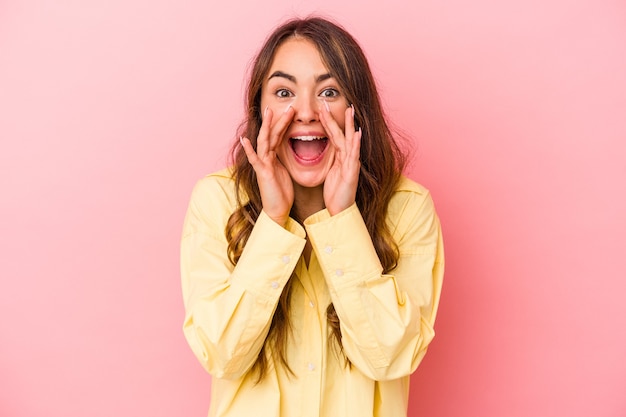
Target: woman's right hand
[{"x": 274, "y": 181}]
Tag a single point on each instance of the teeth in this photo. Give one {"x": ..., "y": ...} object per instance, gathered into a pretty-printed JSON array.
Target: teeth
[{"x": 308, "y": 138}]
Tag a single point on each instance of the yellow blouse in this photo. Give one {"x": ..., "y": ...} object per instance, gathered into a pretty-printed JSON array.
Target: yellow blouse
[{"x": 386, "y": 319}]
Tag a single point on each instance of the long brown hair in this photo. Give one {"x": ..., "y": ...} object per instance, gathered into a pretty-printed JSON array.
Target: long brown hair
[{"x": 382, "y": 160}]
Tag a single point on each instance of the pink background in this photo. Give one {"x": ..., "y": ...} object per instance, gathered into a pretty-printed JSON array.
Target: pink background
[{"x": 111, "y": 110}]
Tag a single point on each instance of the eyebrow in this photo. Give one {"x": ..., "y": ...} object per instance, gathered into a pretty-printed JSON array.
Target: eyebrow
[{"x": 291, "y": 78}]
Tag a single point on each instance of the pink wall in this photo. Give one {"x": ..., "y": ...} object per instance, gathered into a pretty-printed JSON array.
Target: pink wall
[{"x": 109, "y": 112}]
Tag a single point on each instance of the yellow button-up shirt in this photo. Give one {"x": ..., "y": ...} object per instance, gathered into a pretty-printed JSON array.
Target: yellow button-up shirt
[{"x": 386, "y": 319}]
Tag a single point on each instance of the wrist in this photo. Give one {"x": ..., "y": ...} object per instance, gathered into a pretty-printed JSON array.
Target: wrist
[
  {"x": 280, "y": 220},
  {"x": 338, "y": 208}
]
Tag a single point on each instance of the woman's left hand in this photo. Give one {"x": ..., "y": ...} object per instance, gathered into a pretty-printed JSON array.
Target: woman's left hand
[{"x": 343, "y": 177}]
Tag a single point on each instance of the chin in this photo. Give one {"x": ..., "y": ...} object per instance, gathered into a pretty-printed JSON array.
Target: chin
[
  {"x": 309, "y": 181},
  {"x": 309, "y": 176}
]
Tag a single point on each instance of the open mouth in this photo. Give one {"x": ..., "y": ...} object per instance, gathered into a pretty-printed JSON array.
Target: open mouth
[{"x": 308, "y": 148}]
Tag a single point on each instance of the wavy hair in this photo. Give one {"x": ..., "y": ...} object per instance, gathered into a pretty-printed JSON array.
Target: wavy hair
[{"x": 382, "y": 161}]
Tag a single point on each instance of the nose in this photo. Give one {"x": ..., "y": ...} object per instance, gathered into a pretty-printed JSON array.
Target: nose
[{"x": 306, "y": 109}]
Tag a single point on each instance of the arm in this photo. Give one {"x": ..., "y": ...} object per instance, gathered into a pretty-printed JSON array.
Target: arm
[
  {"x": 386, "y": 319},
  {"x": 228, "y": 309}
]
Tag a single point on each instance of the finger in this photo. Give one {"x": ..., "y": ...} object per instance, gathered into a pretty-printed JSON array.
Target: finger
[
  {"x": 278, "y": 130},
  {"x": 354, "y": 151},
  {"x": 333, "y": 131},
  {"x": 349, "y": 120},
  {"x": 249, "y": 150},
  {"x": 350, "y": 133},
  {"x": 263, "y": 139}
]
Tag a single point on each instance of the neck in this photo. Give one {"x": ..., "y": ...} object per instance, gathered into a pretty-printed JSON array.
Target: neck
[{"x": 308, "y": 201}]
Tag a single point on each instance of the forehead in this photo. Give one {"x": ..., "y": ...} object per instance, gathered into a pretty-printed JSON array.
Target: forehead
[{"x": 298, "y": 56}]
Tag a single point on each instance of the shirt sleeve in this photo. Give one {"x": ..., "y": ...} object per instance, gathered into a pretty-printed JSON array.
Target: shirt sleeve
[
  {"x": 229, "y": 309},
  {"x": 386, "y": 319}
]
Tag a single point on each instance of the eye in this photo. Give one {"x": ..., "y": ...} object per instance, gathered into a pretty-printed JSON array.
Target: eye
[
  {"x": 283, "y": 93},
  {"x": 329, "y": 93}
]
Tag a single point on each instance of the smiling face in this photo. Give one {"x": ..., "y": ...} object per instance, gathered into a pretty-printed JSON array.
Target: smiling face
[{"x": 299, "y": 78}]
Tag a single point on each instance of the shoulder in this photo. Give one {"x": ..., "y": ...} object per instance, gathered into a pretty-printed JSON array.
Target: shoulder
[
  {"x": 410, "y": 205},
  {"x": 408, "y": 192},
  {"x": 406, "y": 184},
  {"x": 212, "y": 201},
  {"x": 219, "y": 184}
]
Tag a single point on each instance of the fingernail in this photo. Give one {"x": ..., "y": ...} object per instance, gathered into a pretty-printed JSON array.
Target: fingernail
[
  {"x": 241, "y": 140},
  {"x": 351, "y": 105},
  {"x": 327, "y": 106},
  {"x": 265, "y": 111},
  {"x": 288, "y": 107}
]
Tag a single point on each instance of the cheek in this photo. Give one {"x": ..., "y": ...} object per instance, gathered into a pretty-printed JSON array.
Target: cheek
[
  {"x": 338, "y": 110},
  {"x": 268, "y": 101},
  {"x": 283, "y": 148},
  {"x": 262, "y": 106},
  {"x": 339, "y": 117},
  {"x": 277, "y": 108}
]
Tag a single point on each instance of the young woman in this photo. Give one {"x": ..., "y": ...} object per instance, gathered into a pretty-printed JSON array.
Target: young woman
[{"x": 312, "y": 268}]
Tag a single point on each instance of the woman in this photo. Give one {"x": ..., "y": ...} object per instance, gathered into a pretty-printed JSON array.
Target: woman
[{"x": 311, "y": 269}]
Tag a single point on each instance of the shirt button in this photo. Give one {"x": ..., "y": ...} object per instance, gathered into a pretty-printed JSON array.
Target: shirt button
[
  {"x": 310, "y": 366},
  {"x": 286, "y": 259},
  {"x": 338, "y": 272},
  {"x": 274, "y": 284},
  {"x": 328, "y": 249}
]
